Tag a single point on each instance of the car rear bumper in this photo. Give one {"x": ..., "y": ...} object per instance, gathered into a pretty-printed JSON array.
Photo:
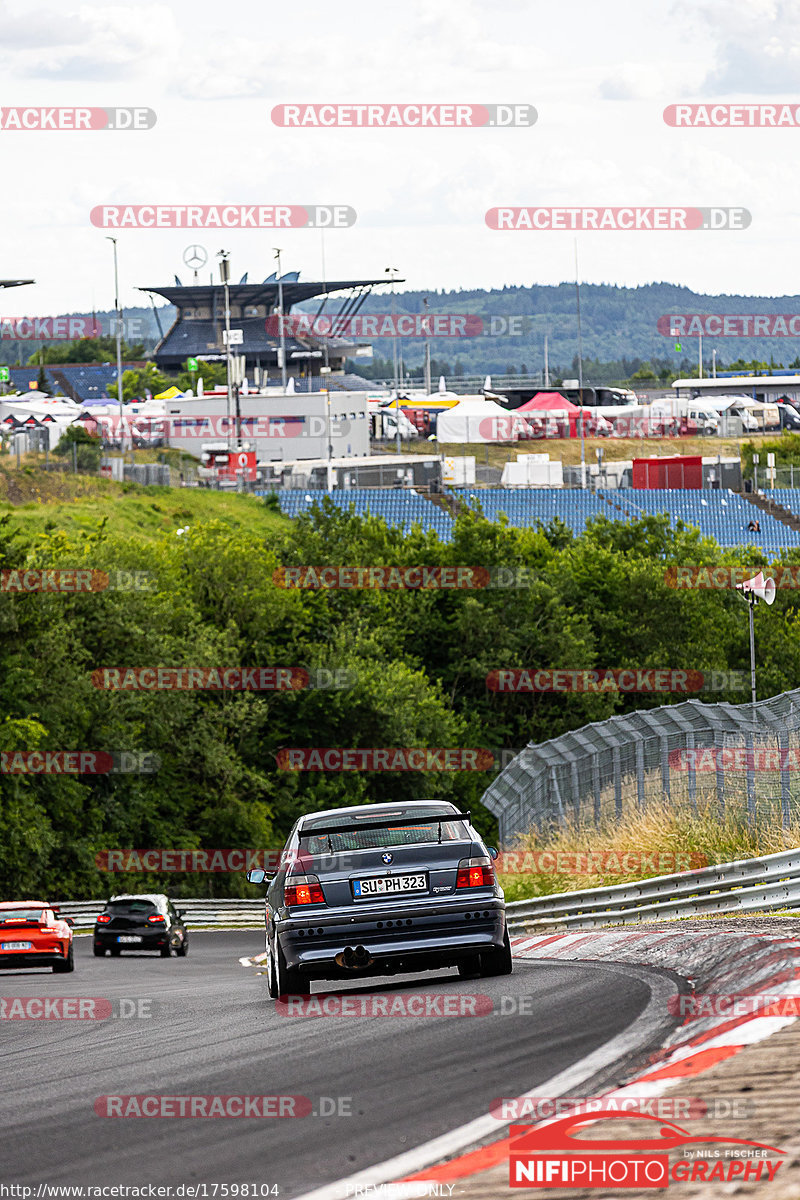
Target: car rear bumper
[
  {"x": 150, "y": 941},
  {"x": 9, "y": 959},
  {"x": 396, "y": 939}
]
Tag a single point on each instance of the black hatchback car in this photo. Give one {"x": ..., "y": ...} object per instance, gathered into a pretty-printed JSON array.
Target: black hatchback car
[
  {"x": 383, "y": 889},
  {"x": 143, "y": 922}
]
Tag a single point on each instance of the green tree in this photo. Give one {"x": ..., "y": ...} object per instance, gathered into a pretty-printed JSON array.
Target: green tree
[{"x": 88, "y": 448}]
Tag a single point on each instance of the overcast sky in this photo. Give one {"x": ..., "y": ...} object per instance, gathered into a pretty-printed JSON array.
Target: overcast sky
[{"x": 599, "y": 76}]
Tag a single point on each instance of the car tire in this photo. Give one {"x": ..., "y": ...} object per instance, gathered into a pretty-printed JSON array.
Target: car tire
[
  {"x": 166, "y": 951},
  {"x": 497, "y": 962},
  {"x": 66, "y": 965},
  {"x": 98, "y": 951},
  {"x": 182, "y": 950},
  {"x": 289, "y": 982},
  {"x": 272, "y": 981}
]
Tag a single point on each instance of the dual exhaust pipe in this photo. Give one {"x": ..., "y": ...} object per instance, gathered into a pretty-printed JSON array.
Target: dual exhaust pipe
[{"x": 355, "y": 957}]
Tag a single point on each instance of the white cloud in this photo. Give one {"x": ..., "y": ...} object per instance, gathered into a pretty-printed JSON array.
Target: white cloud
[{"x": 756, "y": 44}]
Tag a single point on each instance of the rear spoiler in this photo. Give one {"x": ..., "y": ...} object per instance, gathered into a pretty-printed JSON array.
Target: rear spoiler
[{"x": 353, "y": 825}]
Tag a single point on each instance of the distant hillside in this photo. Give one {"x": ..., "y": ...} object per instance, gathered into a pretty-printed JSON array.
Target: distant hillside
[
  {"x": 140, "y": 326},
  {"x": 619, "y": 328}
]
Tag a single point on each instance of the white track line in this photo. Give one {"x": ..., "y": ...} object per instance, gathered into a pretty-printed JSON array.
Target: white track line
[{"x": 482, "y": 1127}]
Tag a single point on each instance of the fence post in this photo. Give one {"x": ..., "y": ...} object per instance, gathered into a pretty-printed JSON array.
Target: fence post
[
  {"x": 751, "y": 781},
  {"x": 640, "y": 775},
  {"x": 615, "y": 760},
  {"x": 719, "y": 771},
  {"x": 562, "y": 816},
  {"x": 691, "y": 772},
  {"x": 576, "y": 790},
  {"x": 596, "y": 787},
  {"x": 786, "y": 794},
  {"x": 665, "y": 766}
]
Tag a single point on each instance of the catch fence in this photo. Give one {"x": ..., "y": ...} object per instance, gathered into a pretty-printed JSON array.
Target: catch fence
[{"x": 724, "y": 759}]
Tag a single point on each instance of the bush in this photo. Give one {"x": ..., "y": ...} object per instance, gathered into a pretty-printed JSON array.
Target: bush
[{"x": 89, "y": 449}]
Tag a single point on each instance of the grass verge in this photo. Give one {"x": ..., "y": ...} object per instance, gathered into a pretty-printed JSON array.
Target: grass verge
[{"x": 658, "y": 830}]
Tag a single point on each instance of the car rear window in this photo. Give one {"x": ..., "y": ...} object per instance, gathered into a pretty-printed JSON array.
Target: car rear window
[
  {"x": 377, "y": 835},
  {"x": 136, "y": 906},
  {"x": 21, "y": 914}
]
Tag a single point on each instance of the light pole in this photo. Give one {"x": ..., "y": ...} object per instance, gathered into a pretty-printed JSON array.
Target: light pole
[
  {"x": 280, "y": 318},
  {"x": 393, "y": 273},
  {"x": 427, "y": 351},
  {"x": 119, "y": 341},
  {"x": 326, "y": 370},
  {"x": 753, "y": 590},
  {"x": 224, "y": 274},
  {"x": 580, "y": 367}
]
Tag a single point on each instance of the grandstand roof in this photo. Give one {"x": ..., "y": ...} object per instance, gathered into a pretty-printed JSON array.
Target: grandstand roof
[{"x": 294, "y": 292}]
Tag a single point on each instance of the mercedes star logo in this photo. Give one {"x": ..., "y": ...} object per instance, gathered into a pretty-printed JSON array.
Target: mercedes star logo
[{"x": 195, "y": 257}]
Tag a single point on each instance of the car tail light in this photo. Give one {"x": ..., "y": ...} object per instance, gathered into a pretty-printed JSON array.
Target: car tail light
[
  {"x": 475, "y": 872},
  {"x": 103, "y": 919},
  {"x": 303, "y": 889},
  {"x": 156, "y": 920}
]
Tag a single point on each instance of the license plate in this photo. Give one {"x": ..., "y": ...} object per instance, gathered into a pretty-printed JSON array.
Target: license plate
[
  {"x": 16, "y": 946},
  {"x": 129, "y": 937},
  {"x": 389, "y": 885}
]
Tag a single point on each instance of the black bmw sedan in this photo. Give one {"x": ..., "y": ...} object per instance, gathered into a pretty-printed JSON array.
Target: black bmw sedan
[{"x": 383, "y": 889}]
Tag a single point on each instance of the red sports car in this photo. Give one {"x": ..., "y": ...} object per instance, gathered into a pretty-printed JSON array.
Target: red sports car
[{"x": 33, "y": 934}]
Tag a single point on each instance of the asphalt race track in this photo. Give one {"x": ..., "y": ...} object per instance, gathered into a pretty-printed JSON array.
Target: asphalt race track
[{"x": 214, "y": 1031}]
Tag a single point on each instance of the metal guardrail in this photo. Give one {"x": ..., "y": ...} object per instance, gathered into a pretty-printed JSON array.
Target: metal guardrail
[
  {"x": 224, "y": 914},
  {"x": 749, "y": 885}
]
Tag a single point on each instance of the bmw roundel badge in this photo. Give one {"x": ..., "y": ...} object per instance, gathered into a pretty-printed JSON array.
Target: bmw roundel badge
[{"x": 387, "y": 858}]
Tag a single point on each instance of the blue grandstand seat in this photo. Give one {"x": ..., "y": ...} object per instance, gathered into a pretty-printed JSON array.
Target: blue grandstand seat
[{"x": 399, "y": 509}]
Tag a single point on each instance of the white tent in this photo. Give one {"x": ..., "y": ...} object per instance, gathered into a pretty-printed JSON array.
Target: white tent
[{"x": 475, "y": 419}]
